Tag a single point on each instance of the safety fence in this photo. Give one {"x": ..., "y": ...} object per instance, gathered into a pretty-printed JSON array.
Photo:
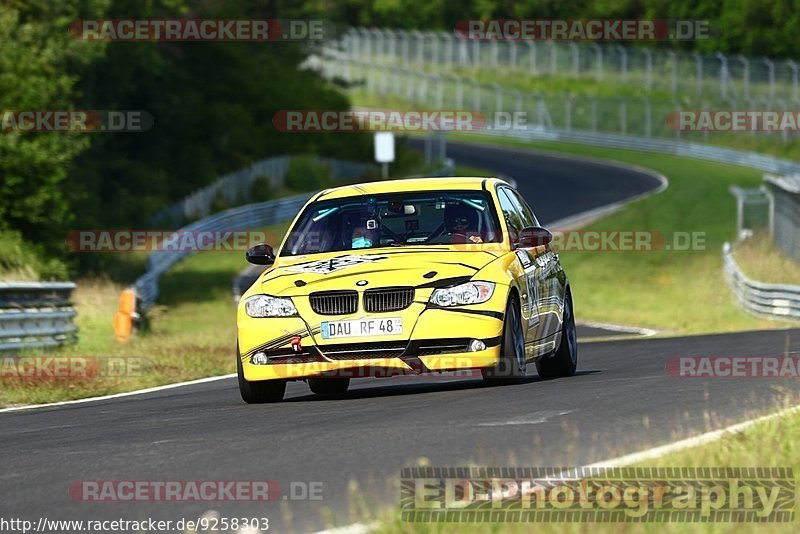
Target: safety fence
[{"x": 651, "y": 70}]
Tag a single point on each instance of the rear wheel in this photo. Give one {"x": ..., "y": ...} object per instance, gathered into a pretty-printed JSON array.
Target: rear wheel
[
  {"x": 328, "y": 386},
  {"x": 511, "y": 366},
  {"x": 259, "y": 391},
  {"x": 564, "y": 360}
]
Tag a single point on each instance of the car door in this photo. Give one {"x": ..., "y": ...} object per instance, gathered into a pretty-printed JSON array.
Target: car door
[
  {"x": 544, "y": 274},
  {"x": 527, "y": 281},
  {"x": 552, "y": 279}
]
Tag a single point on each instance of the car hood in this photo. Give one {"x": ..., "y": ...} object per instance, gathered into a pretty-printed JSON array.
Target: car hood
[{"x": 406, "y": 266}]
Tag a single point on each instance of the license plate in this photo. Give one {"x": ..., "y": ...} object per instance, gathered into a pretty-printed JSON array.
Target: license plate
[{"x": 389, "y": 326}]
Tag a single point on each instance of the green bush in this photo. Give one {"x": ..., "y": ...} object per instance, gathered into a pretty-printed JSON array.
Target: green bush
[
  {"x": 307, "y": 173},
  {"x": 262, "y": 190},
  {"x": 21, "y": 260}
]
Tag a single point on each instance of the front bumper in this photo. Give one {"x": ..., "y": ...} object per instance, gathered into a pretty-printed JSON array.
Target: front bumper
[{"x": 438, "y": 341}]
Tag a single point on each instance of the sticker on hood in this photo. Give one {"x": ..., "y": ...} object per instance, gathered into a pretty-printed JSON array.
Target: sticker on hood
[{"x": 333, "y": 264}]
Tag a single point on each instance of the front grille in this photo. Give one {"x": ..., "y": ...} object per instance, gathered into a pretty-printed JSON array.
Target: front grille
[
  {"x": 364, "y": 351},
  {"x": 334, "y": 302},
  {"x": 388, "y": 299}
]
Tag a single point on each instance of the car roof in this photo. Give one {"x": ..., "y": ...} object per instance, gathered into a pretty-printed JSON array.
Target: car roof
[{"x": 408, "y": 185}]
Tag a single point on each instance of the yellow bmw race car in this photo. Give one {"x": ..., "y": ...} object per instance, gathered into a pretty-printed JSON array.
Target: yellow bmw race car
[{"x": 406, "y": 276}]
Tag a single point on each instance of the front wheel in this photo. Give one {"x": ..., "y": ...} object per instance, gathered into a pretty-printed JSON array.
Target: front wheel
[
  {"x": 260, "y": 391},
  {"x": 564, "y": 360},
  {"x": 512, "y": 365}
]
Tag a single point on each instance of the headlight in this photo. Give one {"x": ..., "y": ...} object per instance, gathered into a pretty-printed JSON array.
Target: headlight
[
  {"x": 266, "y": 306},
  {"x": 469, "y": 293}
]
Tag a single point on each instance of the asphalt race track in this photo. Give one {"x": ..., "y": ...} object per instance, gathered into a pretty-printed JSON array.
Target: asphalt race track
[{"x": 622, "y": 400}]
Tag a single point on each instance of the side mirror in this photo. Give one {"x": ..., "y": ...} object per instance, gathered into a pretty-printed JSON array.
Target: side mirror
[
  {"x": 533, "y": 236},
  {"x": 260, "y": 255}
]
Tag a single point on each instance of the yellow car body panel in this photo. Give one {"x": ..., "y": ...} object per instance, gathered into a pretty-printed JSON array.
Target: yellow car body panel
[{"x": 432, "y": 338}]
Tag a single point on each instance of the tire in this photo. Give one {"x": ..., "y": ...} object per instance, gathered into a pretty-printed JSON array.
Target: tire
[
  {"x": 261, "y": 391},
  {"x": 512, "y": 366},
  {"x": 328, "y": 386},
  {"x": 564, "y": 360}
]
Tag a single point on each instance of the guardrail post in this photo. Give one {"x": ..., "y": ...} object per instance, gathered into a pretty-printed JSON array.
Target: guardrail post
[
  {"x": 576, "y": 59},
  {"x": 623, "y": 62},
  {"x": 723, "y": 74},
  {"x": 512, "y": 54},
  {"x": 673, "y": 59},
  {"x": 698, "y": 75},
  {"x": 598, "y": 60},
  {"x": 648, "y": 81},
  {"x": 532, "y": 56},
  {"x": 793, "y": 66},
  {"x": 745, "y": 74},
  {"x": 449, "y": 52},
  {"x": 771, "y": 68},
  {"x": 771, "y": 213}
]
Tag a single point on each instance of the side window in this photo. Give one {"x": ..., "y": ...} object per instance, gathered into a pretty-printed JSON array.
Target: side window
[
  {"x": 510, "y": 211},
  {"x": 528, "y": 218}
]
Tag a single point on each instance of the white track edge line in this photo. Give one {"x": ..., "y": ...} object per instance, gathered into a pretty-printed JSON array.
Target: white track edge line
[
  {"x": 116, "y": 395},
  {"x": 646, "y": 332}
]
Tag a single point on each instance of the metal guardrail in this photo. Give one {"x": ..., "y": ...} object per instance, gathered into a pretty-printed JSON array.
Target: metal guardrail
[
  {"x": 248, "y": 217},
  {"x": 36, "y": 314},
  {"x": 236, "y": 186},
  {"x": 774, "y": 301}
]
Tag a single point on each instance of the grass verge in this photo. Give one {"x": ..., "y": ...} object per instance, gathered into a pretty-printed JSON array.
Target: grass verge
[{"x": 760, "y": 260}]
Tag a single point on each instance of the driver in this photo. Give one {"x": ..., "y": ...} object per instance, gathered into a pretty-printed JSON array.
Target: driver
[
  {"x": 461, "y": 221},
  {"x": 361, "y": 235}
]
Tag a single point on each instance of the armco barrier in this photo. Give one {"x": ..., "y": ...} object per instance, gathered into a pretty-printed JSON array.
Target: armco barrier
[
  {"x": 36, "y": 314},
  {"x": 774, "y": 301}
]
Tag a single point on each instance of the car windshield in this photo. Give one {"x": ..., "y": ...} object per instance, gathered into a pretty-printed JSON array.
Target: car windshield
[{"x": 396, "y": 219}]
